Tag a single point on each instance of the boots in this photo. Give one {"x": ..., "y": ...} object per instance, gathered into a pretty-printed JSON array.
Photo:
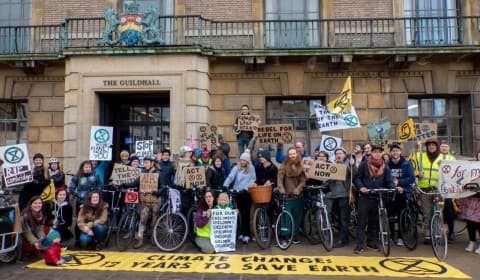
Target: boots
[{"x": 138, "y": 243}]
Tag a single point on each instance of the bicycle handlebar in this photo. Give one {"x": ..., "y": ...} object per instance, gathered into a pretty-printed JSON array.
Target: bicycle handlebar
[
  {"x": 381, "y": 190},
  {"x": 316, "y": 187}
]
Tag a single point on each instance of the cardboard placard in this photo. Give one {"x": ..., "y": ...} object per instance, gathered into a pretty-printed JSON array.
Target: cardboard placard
[
  {"x": 424, "y": 131},
  {"x": 276, "y": 133},
  {"x": 148, "y": 183},
  {"x": 247, "y": 122},
  {"x": 223, "y": 230},
  {"x": 327, "y": 171},
  {"x": 208, "y": 135},
  {"x": 194, "y": 176},
  {"x": 124, "y": 174}
]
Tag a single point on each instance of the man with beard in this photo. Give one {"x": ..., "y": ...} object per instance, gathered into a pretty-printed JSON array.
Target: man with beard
[
  {"x": 428, "y": 163},
  {"x": 403, "y": 178},
  {"x": 292, "y": 179},
  {"x": 373, "y": 173}
]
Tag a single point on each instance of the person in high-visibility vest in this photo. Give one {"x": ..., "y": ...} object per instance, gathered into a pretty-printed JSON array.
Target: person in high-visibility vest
[{"x": 428, "y": 164}]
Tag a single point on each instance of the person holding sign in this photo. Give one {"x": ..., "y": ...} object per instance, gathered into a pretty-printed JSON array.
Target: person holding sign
[
  {"x": 92, "y": 221},
  {"x": 242, "y": 177},
  {"x": 243, "y": 135},
  {"x": 38, "y": 184},
  {"x": 216, "y": 174},
  {"x": 183, "y": 161},
  {"x": 291, "y": 179},
  {"x": 202, "y": 221},
  {"x": 372, "y": 174},
  {"x": 338, "y": 197}
]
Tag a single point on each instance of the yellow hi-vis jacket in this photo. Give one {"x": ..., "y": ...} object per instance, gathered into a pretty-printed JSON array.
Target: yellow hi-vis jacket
[{"x": 430, "y": 169}]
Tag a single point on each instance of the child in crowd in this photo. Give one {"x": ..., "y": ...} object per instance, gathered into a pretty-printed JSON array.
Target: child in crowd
[
  {"x": 53, "y": 255},
  {"x": 223, "y": 202}
]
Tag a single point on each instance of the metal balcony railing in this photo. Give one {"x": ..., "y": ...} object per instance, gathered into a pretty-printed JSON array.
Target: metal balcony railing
[{"x": 176, "y": 31}]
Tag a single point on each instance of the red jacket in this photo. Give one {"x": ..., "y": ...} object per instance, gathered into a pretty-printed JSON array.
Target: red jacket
[{"x": 53, "y": 254}]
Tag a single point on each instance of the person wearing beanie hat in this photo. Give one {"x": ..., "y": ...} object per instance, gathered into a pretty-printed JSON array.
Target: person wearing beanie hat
[
  {"x": 124, "y": 155},
  {"x": 266, "y": 172},
  {"x": 38, "y": 159},
  {"x": 63, "y": 213},
  {"x": 242, "y": 177},
  {"x": 134, "y": 161},
  {"x": 53, "y": 255}
]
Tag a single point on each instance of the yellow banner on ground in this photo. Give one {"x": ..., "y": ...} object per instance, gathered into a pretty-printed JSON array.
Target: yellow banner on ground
[{"x": 259, "y": 264}]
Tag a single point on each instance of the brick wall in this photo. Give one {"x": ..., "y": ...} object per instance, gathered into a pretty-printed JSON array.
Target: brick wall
[
  {"x": 55, "y": 11},
  {"x": 362, "y": 8},
  {"x": 220, "y": 9}
]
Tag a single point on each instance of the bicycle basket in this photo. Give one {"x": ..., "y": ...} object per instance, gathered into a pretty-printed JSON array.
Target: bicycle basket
[{"x": 261, "y": 194}]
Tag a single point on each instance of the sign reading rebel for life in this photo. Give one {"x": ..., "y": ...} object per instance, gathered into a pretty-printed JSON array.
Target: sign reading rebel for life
[
  {"x": 194, "y": 177},
  {"x": 324, "y": 171},
  {"x": 455, "y": 174},
  {"x": 247, "y": 122},
  {"x": 276, "y": 133},
  {"x": 101, "y": 142},
  {"x": 16, "y": 166}
]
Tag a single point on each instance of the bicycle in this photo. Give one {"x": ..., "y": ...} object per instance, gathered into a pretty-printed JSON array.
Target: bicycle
[
  {"x": 197, "y": 193},
  {"x": 171, "y": 228},
  {"x": 316, "y": 222},
  {"x": 408, "y": 222},
  {"x": 115, "y": 196},
  {"x": 9, "y": 239},
  {"x": 129, "y": 221},
  {"x": 383, "y": 222},
  {"x": 261, "y": 226},
  {"x": 438, "y": 232},
  {"x": 284, "y": 223}
]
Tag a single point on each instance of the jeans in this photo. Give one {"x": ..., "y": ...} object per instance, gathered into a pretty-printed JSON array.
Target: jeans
[
  {"x": 243, "y": 142},
  {"x": 99, "y": 234}
]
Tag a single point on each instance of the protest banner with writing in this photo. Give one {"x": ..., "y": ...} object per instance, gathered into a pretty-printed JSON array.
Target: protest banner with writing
[
  {"x": 455, "y": 174},
  {"x": 424, "y": 131},
  {"x": 328, "y": 121},
  {"x": 379, "y": 131},
  {"x": 16, "y": 166},
  {"x": 101, "y": 142},
  {"x": 194, "y": 176},
  {"x": 329, "y": 144},
  {"x": 208, "y": 135},
  {"x": 247, "y": 122},
  {"x": 223, "y": 230},
  {"x": 275, "y": 133},
  {"x": 325, "y": 171},
  {"x": 148, "y": 184},
  {"x": 144, "y": 148},
  {"x": 123, "y": 174}
]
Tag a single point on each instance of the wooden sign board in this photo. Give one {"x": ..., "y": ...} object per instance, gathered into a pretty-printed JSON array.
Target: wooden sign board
[
  {"x": 208, "y": 135},
  {"x": 194, "y": 176},
  {"x": 327, "y": 171},
  {"x": 148, "y": 183},
  {"x": 424, "y": 131},
  {"x": 276, "y": 133},
  {"x": 124, "y": 174},
  {"x": 247, "y": 122}
]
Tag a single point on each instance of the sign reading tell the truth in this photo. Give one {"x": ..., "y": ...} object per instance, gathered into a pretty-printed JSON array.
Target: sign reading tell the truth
[
  {"x": 324, "y": 171},
  {"x": 194, "y": 176},
  {"x": 123, "y": 174},
  {"x": 275, "y": 133}
]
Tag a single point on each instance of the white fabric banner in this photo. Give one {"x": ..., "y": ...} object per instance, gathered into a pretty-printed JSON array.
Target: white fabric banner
[{"x": 328, "y": 121}]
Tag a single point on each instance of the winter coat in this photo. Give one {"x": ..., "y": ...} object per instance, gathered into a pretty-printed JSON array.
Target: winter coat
[
  {"x": 266, "y": 173},
  {"x": 81, "y": 187},
  {"x": 53, "y": 254},
  {"x": 63, "y": 220},
  {"x": 403, "y": 171},
  {"x": 57, "y": 176},
  {"x": 241, "y": 180},
  {"x": 364, "y": 178},
  {"x": 215, "y": 177},
  {"x": 86, "y": 217},
  {"x": 33, "y": 188},
  {"x": 290, "y": 179}
]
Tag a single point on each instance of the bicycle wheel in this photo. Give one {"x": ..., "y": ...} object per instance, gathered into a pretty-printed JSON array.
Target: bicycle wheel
[
  {"x": 408, "y": 228},
  {"x": 170, "y": 231},
  {"x": 126, "y": 230},
  {"x": 384, "y": 232},
  {"x": 311, "y": 225},
  {"x": 110, "y": 228},
  {"x": 325, "y": 229},
  {"x": 439, "y": 237},
  {"x": 284, "y": 230},
  {"x": 191, "y": 224},
  {"x": 262, "y": 228}
]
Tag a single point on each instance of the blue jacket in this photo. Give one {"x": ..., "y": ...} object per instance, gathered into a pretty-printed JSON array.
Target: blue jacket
[{"x": 403, "y": 170}]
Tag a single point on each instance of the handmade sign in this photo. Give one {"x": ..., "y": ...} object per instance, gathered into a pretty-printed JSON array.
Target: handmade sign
[
  {"x": 247, "y": 122},
  {"x": 143, "y": 148},
  {"x": 424, "y": 131},
  {"x": 455, "y": 174},
  {"x": 329, "y": 144},
  {"x": 223, "y": 230},
  {"x": 148, "y": 184},
  {"x": 100, "y": 143},
  {"x": 275, "y": 133},
  {"x": 327, "y": 171},
  {"x": 194, "y": 177},
  {"x": 328, "y": 121},
  {"x": 16, "y": 166},
  {"x": 124, "y": 174},
  {"x": 208, "y": 135}
]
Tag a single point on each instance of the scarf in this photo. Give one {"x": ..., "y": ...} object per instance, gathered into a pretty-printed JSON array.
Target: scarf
[
  {"x": 52, "y": 173},
  {"x": 376, "y": 167}
]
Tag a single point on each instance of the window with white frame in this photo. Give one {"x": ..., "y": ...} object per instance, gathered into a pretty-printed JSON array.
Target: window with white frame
[
  {"x": 13, "y": 122},
  {"x": 431, "y": 22}
]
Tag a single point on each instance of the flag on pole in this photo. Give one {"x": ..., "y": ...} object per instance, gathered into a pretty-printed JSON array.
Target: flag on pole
[
  {"x": 343, "y": 103},
  {"x": 406, "y": 130}
]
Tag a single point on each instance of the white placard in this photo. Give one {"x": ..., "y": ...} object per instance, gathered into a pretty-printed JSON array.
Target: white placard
[
  {"x": 16, "y": 167},
  {"x": 327, "y": 121},
  {"x": 455, "y": 174},
  {"x": 143, "y": 148},
  {"x": 329, "y": 144},
  {"x": 223, "y": 230},
  {"x": 100, "y": 143}
]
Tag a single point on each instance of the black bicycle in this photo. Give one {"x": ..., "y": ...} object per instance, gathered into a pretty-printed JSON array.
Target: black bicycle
[
  {"x": 316, "y": 222},
  {"x": 284, "y": 225},
  {"x": 113, "y": 197},
  {"x": 128, "y": 225},
  {"x": 383, "y": 221},
  {"x": 409, "y": 222}
]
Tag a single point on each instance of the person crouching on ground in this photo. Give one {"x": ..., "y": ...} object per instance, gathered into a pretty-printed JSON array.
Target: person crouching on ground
[
  {"x": 92, "y": 220},
  {"x": 202, "y": 220}
]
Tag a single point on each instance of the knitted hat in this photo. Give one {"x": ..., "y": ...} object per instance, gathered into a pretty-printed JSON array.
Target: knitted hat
[
  {"x": 38, "y": 155},
  {"x": 62, "y": 188},
  {"x": 52, "y": 235},
  {"x": 266, "y": 155},
  {"x": 124, "y": 154},
  {"x": 132, "y": 158},
  {"x": 245, "y": 156}
]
